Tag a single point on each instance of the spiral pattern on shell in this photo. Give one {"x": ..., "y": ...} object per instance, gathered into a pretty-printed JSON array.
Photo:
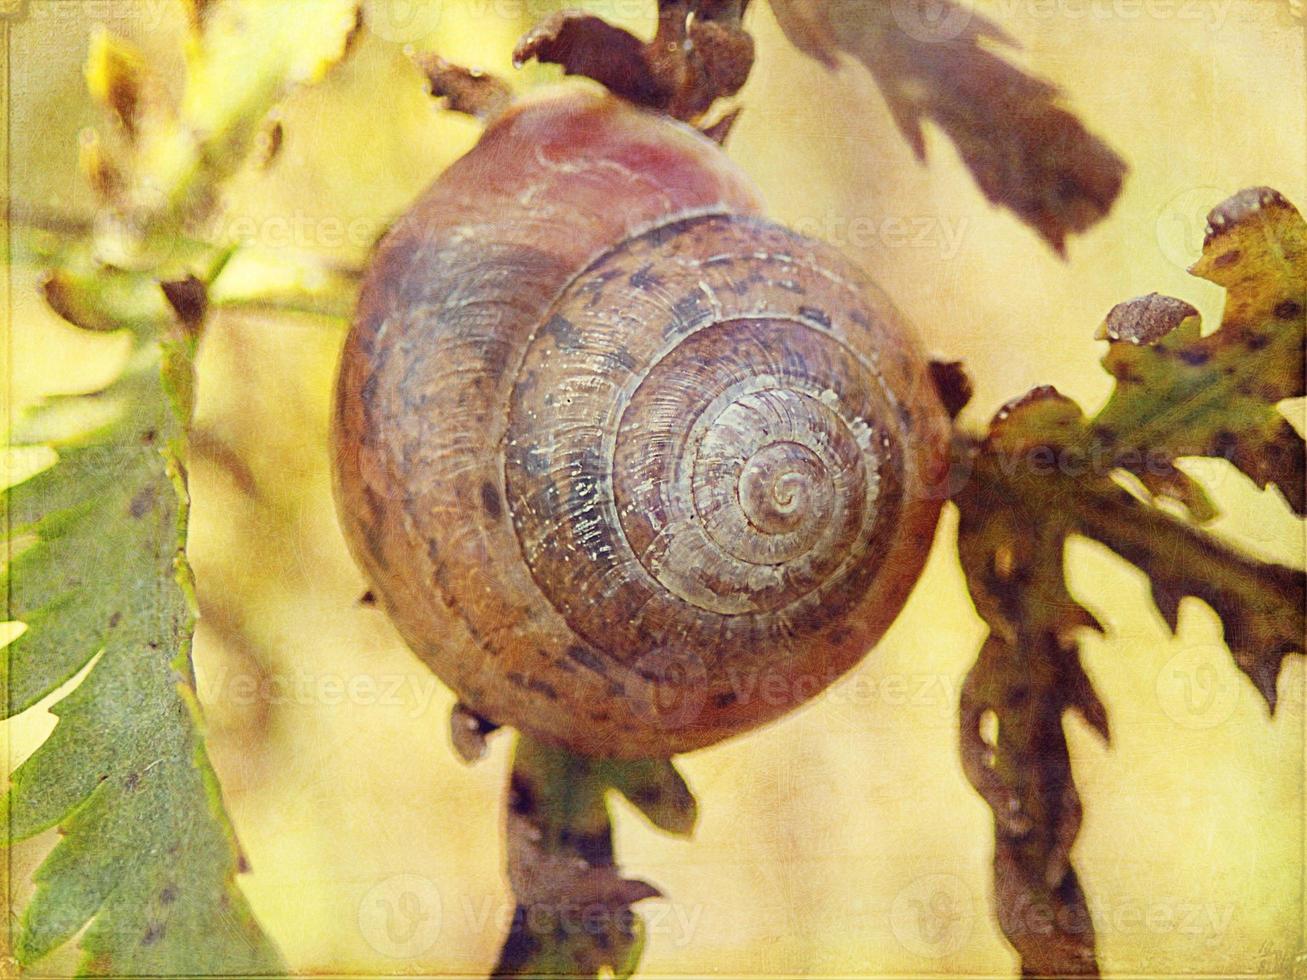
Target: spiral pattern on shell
[
  {"x": 707, "y": 463},
  {"x": 630, "y": 480}
]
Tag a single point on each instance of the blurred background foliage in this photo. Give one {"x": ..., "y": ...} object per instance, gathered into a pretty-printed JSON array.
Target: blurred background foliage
[{"x": 844, "y": 838}]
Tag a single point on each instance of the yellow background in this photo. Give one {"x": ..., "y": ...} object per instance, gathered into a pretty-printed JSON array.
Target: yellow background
[{"x": 843, "y": 840}]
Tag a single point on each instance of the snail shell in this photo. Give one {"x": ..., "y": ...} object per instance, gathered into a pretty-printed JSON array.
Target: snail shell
[{"x": 629, "y": 466}]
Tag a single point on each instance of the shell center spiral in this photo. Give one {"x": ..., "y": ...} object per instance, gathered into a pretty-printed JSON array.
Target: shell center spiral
[{"x": 778, "y": 484}]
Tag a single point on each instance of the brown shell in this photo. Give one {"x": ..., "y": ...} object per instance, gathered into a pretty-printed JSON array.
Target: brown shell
[{"x": 630, "y": 467}]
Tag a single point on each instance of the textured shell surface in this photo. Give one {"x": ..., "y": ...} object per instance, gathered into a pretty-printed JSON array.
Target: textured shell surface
[{"x": 629, "y": 466}]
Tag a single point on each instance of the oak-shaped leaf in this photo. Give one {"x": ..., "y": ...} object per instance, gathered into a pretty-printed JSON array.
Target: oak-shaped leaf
[
  {"x": 933, "y": 60},
  {"x": 1013, "y": 748},
  {"x": 1045, "y": 472},
  {"x": 573, "y": 916},
  {"x": 1179, "y": 393}
]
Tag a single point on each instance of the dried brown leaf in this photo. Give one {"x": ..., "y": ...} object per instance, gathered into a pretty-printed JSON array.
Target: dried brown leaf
[
  {"x": 466, "y": 90},
  {"x": 700, "y": 54},
  {"x": 574, "y": 915},
  {"x": 930, "y": 60},
  {"x": 1045, "y": 472},
  {"x": 590, "y": 46}
]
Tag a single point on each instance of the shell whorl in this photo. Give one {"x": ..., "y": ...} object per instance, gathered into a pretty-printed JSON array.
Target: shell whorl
[
  {"x": 630, "y": 467},
  {"x": 701, "y": 458}
]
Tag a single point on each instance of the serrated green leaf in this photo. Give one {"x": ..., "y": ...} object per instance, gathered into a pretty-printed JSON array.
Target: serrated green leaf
[
  {"x": 1181, "y": 394},
  {"x": 79, "y": 587},
  {"x": 146, "y": 855},
  {"x": 574, "y": 915},
  {"x": 147, "y": 861}
]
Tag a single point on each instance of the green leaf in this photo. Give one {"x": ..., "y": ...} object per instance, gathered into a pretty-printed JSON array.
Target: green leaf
[
  {"x": 146, "y": 854},
  {"x": 90, "y": 581},
  {"x": 147, "y": 860},
  {"x": 1181, "y": 394},
  {"x": 574, "y": 915},
  {"x": 1045, "y": 472}
]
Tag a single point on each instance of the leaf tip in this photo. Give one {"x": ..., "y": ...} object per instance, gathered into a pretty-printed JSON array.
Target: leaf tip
[
  {"x": 468, "y": 732},
  {"x": 952, "y": 384},
  {"x": 1239, "y": 207}
]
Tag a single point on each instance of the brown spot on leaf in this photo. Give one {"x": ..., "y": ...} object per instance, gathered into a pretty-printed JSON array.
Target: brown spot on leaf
[
  {"x": 1288, "y": 309},
  {"x": 143, "y": 502}
]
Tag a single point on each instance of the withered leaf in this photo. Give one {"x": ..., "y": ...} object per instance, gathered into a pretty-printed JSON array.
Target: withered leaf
[
  {"x": 590, "y": 46},
  {"x": 1028, "y": 673},
  {"x": 1045, "y": 472},
  {"x": 930, "y": 59},
  {"x": 699, "y": 54},
  {"x": 466, "y": 90},
  {"x": 573, "y": 915}
]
